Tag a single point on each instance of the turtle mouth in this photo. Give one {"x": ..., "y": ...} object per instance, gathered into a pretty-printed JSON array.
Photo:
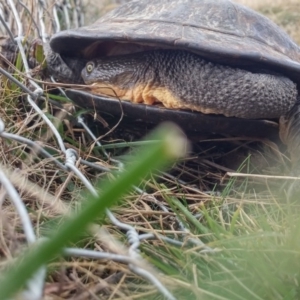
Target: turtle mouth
[{"x": 74, "y": 68}]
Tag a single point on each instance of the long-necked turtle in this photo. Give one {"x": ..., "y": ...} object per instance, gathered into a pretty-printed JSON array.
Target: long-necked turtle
[{"x": 212, "y": 56}]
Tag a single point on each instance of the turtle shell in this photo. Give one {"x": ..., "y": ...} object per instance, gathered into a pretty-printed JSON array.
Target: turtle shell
[{"x": 219, "y": 30}]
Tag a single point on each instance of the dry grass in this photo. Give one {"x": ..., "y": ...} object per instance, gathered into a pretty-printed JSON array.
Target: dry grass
[
  {"x": 256, "y": 4},
  {"x": 285, "y": 13}
]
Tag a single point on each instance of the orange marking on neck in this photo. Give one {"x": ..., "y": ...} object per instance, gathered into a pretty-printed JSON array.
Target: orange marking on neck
[{"x": 148, "y": 94}]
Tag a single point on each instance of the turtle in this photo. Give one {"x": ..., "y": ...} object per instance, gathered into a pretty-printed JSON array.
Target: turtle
[{"x": 195, "y": 57}]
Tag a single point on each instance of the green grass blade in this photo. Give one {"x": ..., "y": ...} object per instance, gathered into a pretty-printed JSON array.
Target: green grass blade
[
  {"x": 201, "y": 228},
  {"x": 171, "y": 146}
]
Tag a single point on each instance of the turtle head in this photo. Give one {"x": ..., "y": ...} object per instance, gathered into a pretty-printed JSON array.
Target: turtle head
[
  {"x": 119, "y": 72},
  {"x": 115, "y": 76}
]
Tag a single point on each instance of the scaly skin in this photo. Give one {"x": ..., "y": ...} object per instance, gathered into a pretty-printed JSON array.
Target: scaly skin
[{"x": 181, "y": 79}]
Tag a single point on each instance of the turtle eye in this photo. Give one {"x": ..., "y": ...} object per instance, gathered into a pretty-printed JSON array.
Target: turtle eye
[{"x": 90, "y": 67}]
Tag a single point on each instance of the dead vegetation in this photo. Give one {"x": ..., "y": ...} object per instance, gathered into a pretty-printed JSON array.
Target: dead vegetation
[{"x": 286, "y": 14}]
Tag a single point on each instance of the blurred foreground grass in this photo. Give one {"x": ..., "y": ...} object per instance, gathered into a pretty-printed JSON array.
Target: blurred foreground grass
[
  {"x": 257, "y": 244},
  {"x": 170, "y": 145}
]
